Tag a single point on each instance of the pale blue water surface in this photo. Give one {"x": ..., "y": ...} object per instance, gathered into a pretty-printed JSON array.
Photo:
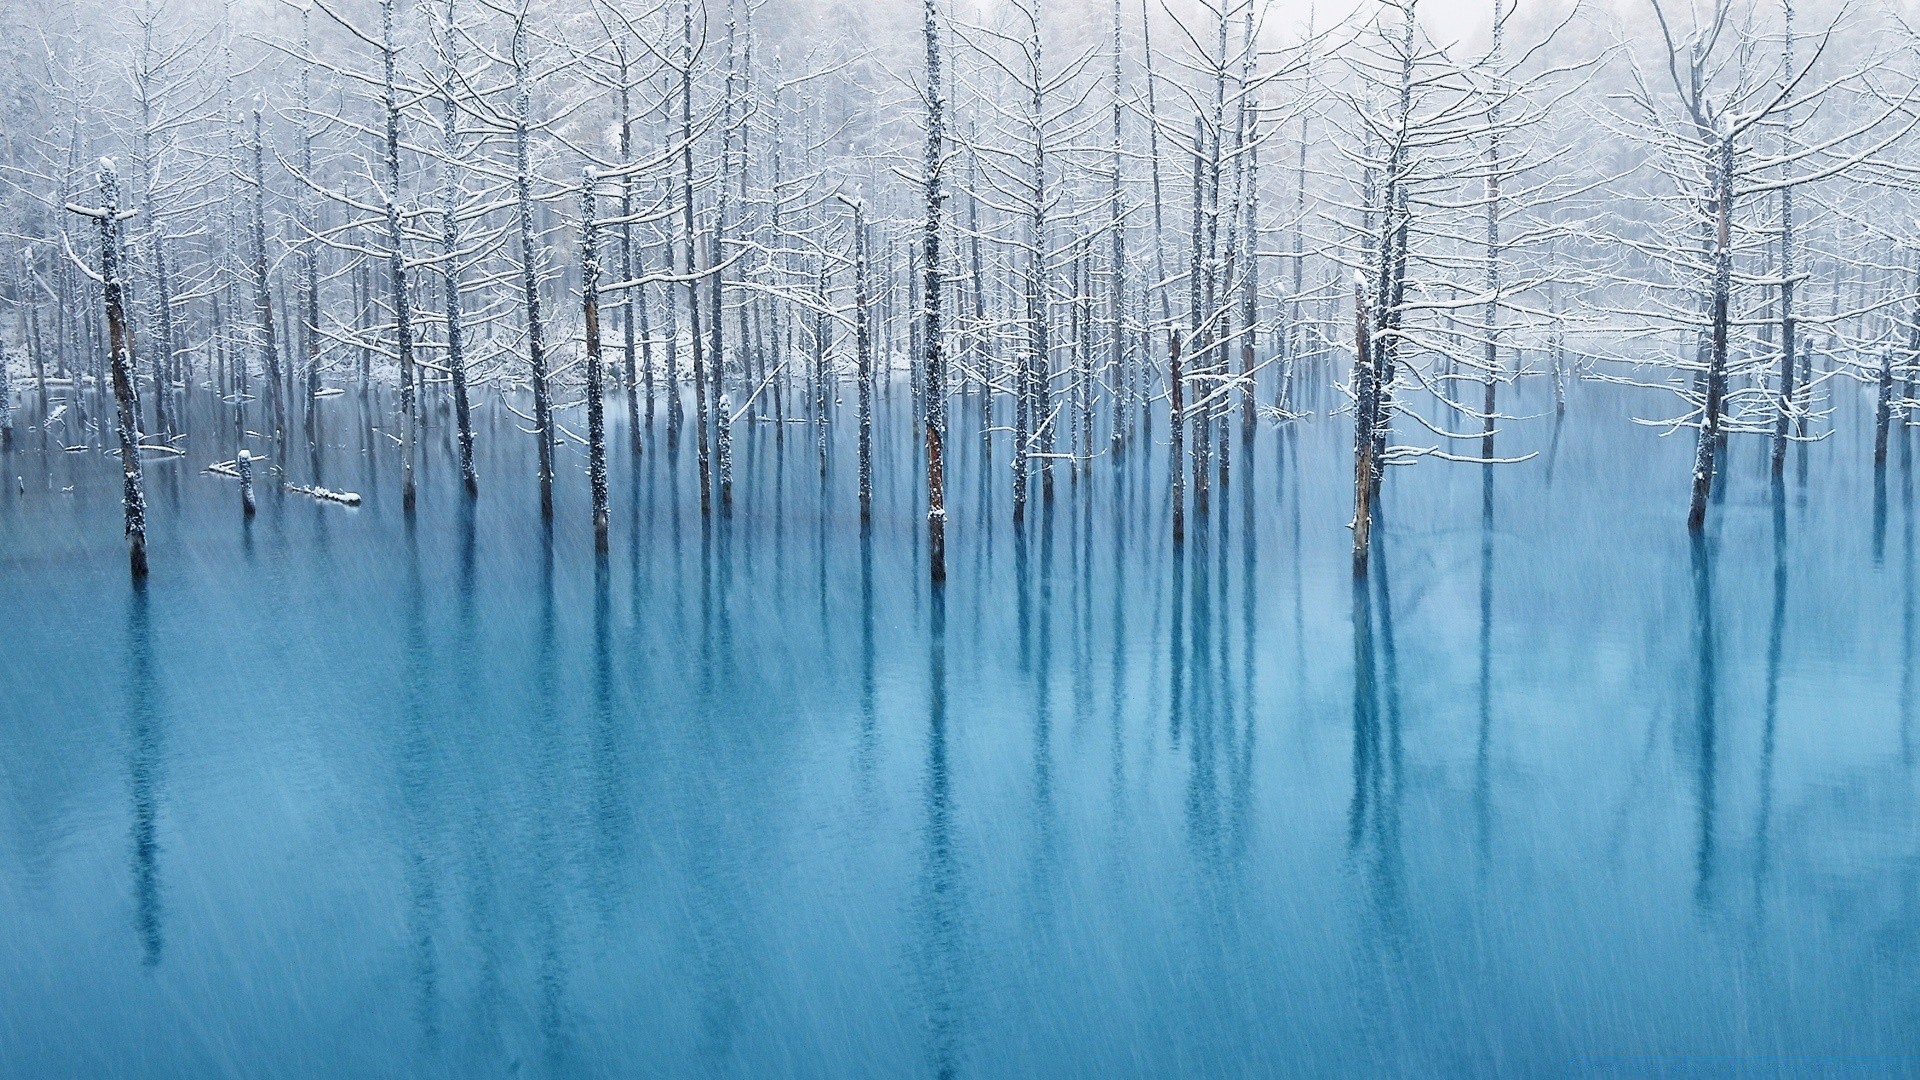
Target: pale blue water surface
[{"x": 1556, "y": 791}]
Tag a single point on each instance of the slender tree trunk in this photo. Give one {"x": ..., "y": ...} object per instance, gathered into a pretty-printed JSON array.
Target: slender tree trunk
[
  {"x": 6, "y": 401},
  {"x": 262, "y": 294},
  {"x": 822, "y": 345},
  {"x": 1197, "y": 317},
  {"x": 1177, "y": 427},
  {"x": 863, "y": 353},
  {"x": 163, "y": 301},
  {"x": 1883, "y": 409},
  {"x": 693, "y": 259},
  {"x": 1250, "y": 271},
  {"x": 981, "y": 342},
  {"x": 1295, "y": 339},
  {"x": 1365, "y": 409},
  {"x": 1153, "y": 157},
  {"x": 932, "y": 291},
  {"x": 396, "y": 254},
  {"x": 529, "y": 261},
  {"x": 596, "y": 370},
  {"x": 120, "y": 343},
  {"x": 309, "y": 251},
  {"x": 1119, "y": 371},
  {"x": 164, "y": 363},
  {"x": 635, "y": 294},
  {"x": 1716, "y": 374},
  {"x": 1788, "y": 328},
  {"x": 722, "y": 235},
  {"x": 1492, "y": 328},
  {"x": 450, "y": 265}
]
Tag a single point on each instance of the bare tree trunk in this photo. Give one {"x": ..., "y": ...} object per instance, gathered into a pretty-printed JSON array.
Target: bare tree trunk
[
  {"x": 675, "y": 412},
  {"x": 1038, "y": 383},
  {"x": 1249, "y": 271},
  {"x": 863, "y": 351},
  {"x": 529, "y": 261},
  {"x": 1082, "y": 319},
  {"x": 120, "y": 344},
  {"x": 635, "y": 294},
  {"x": 1120, "y": 372},
  {"x": 981, "y": 346},
  {"x": 1492, "y": 328},
  {"x": 722, "y": 226},
  {"x": 1883, "y": 409},
  {"x": 164, "y": 364},
  {"x": 163, "y": 299},
  {"x": 822, "y": 345},
  {"x": 309, "y": 254},
  {"x": 1788, "y": 329},
  {"x": 1556, "y": 346},
  {"x": 262, "y": 295},
  {"x": 1198, "y": 317},
  {"x": 1295, "y": 339},
  {"x": 6, "y": 401},
  {"x": 450, "y": 268},
  {"x": 693, "y": 259},
  {"x": 243, "y": 466},
  {"x": 1365, "y": 417},
  {"x": 39, "y": 350},
  {"x": 596, "y": 371},
  {"x": 1177, "y": 424},
  {"x": 396, "y": 253},
  {"x": 932, "y": 291},
  {"x": 1716, "y": 374},
  {"x": 1153, "y": 157}
]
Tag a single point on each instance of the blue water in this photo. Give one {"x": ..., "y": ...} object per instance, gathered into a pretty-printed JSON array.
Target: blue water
[{"x": 1555, "y": 792}]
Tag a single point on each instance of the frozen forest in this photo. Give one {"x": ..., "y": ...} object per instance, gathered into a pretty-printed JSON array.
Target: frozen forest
[
  {"x": 964, "y": 537},
  {"x": 758, "y": 213}
]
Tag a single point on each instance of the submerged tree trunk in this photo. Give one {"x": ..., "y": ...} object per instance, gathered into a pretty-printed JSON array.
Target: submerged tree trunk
[
  {"x": 932, "y": 291},
  {"x": 1492, "y": 328},
  {"x": 145, "y": 91},
  {"x": 1153, "y": 158},
  {"x": 1177, "y": 421},
  {"x": 1883, "y": 409},
  {"x": 1366, "y": 404},
  {"x": 120, "y": 350},
  {"x": 634, "y": 293},
  {"x": 529, "y": 267},
  {"x": 596, "y": 406},
  {"x": 262, "y": 294},
  {"x": 309, "y": 257},
  {"x": 1715, "y": 381},
  {"x": 1197, "y": 317},
  {"x": 396, "y": 253},
  {"x": 693, "y": 259},
  {"x": 243, "y": 465},
  {"x": 716, "y": 327},
  {"x": 1250, "y": 269},
  {"x": 6, "y": 401},
  {"x": 1788, "y": 328},
  {"x": 863, "y": 350},
  {"x": 1122, "y": 388},
  {"x": 822, "y": 344},
  {"x": 450, "y": 267}
]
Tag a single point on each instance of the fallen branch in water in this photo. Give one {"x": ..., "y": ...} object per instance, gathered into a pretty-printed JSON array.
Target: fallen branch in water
[{"x": 348, "y": 498}]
